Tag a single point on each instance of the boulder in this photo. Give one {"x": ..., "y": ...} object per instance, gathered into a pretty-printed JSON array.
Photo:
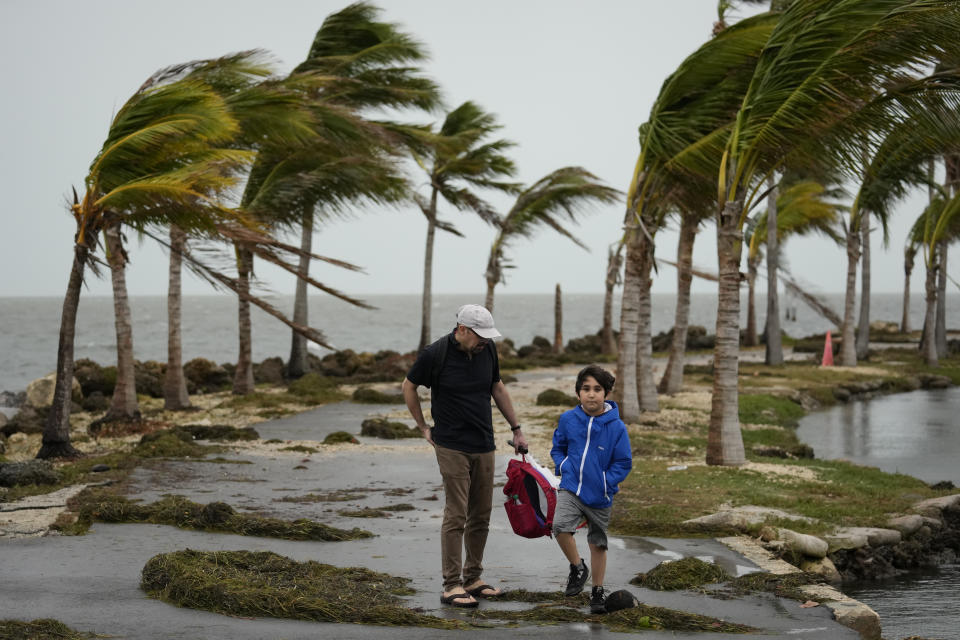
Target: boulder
[
  {"x": 845, "y": 540},
  {"x": 149, "y": 377},
  {"x": 15, "y": 474},
  {"x": 857, "y": 616},
  {"x": 906, "y": 525},
  {"x": 876, "y": 537},
  {"x": 269, "y": 371},
  {"x": 11, "y": 399},
  {"x": 929, "y": 381},
  {"x": 207, "y": 376},
  {"x": 40, "y": 391},
  {"x": 741, "y": 518},
  {"x": 824, "y": 568},
  {"x": 93, "y": 377},
  {"x": 804, "y": 543},
  {"x": 3, "y": 420},
  {"x": 934, "y": 507},
  {"x": 29, "y": 419}
]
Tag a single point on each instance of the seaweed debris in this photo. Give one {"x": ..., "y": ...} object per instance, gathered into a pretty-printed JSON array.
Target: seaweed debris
[
  {"x": 681, "y": 574},
  {"x": 245, "y": 583},
  {"x": 101, "y": 505},
  {"x": 40, "y": 629}
]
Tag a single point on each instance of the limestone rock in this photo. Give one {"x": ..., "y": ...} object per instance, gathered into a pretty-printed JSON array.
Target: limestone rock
[
  {"x": 935, "y": 506},
  {"x": 846, "y": 540},
  {"x": 906, "y": 525},
  {"x": 804, "y": 543},
  {"x": 3, "y": 419},
  {"x": 857, "y": 616},
  {"x": 929, "y": 381},
  {"x": 40, "y": 391},
  {"x": 11, "y": 399},
  {"x": 741, "y": 518},
  {"x": 269, "y": 371},
  {"x": 876, "y": 537},
  {"x": 935, "y": 524},
  {"x": 823, "y": 567}
]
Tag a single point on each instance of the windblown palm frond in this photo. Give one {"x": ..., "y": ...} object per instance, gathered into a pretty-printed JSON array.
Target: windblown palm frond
[{"x": 802, "y": 208}]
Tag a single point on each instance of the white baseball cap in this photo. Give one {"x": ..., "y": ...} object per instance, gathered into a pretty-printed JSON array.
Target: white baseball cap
[{"x": 475, "y": 317}]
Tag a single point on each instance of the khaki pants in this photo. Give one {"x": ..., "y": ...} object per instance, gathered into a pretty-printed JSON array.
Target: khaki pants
[{"x": 468, "y": 486}]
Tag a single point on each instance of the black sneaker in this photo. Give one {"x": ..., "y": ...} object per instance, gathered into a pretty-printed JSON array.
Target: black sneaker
[
  {"x": 598, "y": 600},
  {"x": 578, "y": 578}
]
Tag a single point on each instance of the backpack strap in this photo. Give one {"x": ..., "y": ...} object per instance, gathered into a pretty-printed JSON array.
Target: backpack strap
[{"x": 439, "y": 357}]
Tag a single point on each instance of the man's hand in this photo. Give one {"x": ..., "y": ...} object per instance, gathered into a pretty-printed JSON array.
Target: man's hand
[
  {"x": 519, "y": 442},
  {"x": 425, "y": 430}
]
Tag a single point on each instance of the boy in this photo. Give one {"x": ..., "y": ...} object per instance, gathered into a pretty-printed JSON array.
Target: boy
[{"x": 592, "y": 455}]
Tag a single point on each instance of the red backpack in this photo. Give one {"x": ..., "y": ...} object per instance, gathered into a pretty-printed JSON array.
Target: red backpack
[{"x": 531, "y": 500}]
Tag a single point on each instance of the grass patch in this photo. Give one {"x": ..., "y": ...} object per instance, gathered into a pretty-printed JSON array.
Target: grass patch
[
  {"x": 556, "y": 398},
  {"x": 681, "y": 574},
  {"x": 339, "y": 437},
  {"x": 300, "y": 448},
  {"x": 244, "y": 583},
  {"x": 388, "y": 429},
  {"x": 367, "y": 395},
  {"x": 769, "y": 409},
  {"x": 41, "y": 629},
  {"x": 219, "y": 432},
  {"x": 654, "y": 501},
  {"x": 169, "y": 443},
  {"x": 104, "y": 506}
]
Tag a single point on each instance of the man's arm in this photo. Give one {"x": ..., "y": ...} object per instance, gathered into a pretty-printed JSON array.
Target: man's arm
[
  {"x": 413, "y": 405},
  {"x": 502, "y": 399}
]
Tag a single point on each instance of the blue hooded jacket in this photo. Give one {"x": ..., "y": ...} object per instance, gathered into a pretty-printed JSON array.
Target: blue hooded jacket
[{"x": 592, "y": 454}]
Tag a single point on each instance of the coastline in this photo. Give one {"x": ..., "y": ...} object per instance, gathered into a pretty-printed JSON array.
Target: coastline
[{"x": 674, "y": 417}]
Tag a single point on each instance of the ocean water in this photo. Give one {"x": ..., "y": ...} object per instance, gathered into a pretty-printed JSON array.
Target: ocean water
[{"x": 29, "y": 327}]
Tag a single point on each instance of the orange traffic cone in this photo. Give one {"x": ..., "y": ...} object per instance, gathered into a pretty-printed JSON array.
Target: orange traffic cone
[{"x": 827, "y": 352}]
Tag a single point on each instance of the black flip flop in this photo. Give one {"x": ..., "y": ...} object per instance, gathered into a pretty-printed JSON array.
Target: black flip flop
[
  {"x": 477, "y": 591},
  {"x": 453, "y": 597}
]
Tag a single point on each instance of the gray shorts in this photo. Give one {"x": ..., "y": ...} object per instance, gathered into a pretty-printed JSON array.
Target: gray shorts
[{"x": 571, "y": 512}]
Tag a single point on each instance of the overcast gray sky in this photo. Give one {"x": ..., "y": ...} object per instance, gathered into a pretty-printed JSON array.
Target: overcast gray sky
[{"x": 570, "y": 80}]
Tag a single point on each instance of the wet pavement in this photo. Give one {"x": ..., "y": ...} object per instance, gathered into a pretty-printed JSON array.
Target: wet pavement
[{"x": 92, "y": 582}]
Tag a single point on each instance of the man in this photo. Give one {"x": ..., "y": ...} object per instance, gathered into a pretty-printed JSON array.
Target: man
[{"x": 463, "y": 373}]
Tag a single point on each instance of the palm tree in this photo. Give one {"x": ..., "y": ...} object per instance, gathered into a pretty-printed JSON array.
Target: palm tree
[
  {"x": 370, "y": 62},
  {"x": 164, "y": 153},
  {"x": 566, "y": 192},
  {"x": 608, "y": 343},
  {"x": 802, "y": 207},
  {"x": 821, "y": 67},
  {"x": 688, "y": 122},
  {"x": 672, "y": 380},
  {"x": 909, "y": 256},
  {"x": 937, "y": 226},
  {"x": 462, "y": 157},
  {"x": 928, "y": 126}
]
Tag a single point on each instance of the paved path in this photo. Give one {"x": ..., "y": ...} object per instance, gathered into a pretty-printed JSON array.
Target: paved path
[{"x": 91, "y": 582}]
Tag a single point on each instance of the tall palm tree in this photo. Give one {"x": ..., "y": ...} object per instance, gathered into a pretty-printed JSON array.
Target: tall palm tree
[
  {"x": 802, "y": 208},
  {"x": 689, "y": 120},
  {"x": 463, "y": 157},
  {"x": 564, "y": 193},
  {"x": 370, "y": 61},
  {"x": 608, "y": 343},
  {"x": 927, "y": 126},
  {"x": 937, "y": 226},
  {"x": 165, "y": 151},
  {"x": 822, "y": 66}
]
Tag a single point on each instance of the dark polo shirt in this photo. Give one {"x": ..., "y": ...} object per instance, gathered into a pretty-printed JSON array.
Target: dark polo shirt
[{"x": 460, "y": 401}]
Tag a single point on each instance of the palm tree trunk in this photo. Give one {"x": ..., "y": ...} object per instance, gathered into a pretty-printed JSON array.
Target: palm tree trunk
[
  {"x": 427, "y": 305},
  {"x": 557, "y": 321},
  {"x": 175, "y": 397},
  {"x": 848, "y": 348},
  {"x": 928, "y": 344},
  {"x": 626, "y": 389},
  {"x": 863, "y": 326},
  {"x": 124, "y": 405},
  {"x": 243, "y": 377},
  {"x": 908, "y": 271},
  {"x": 750, "y": 336},
  {"x": 724, "y": 440},
  {"x": 940, "y": 332},
  {"x": 773, "y": 354},
  {"x": 56, "y": 429},
  {"x": 608, "y": 344},
  {"x": 646, "y": 387},
  {"x": 672, "y": 380},
  {"x": 297, "y": 366}
]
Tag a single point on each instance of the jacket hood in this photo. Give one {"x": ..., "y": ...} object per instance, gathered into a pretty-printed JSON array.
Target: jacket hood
[{"x": 613, "y": 413}]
